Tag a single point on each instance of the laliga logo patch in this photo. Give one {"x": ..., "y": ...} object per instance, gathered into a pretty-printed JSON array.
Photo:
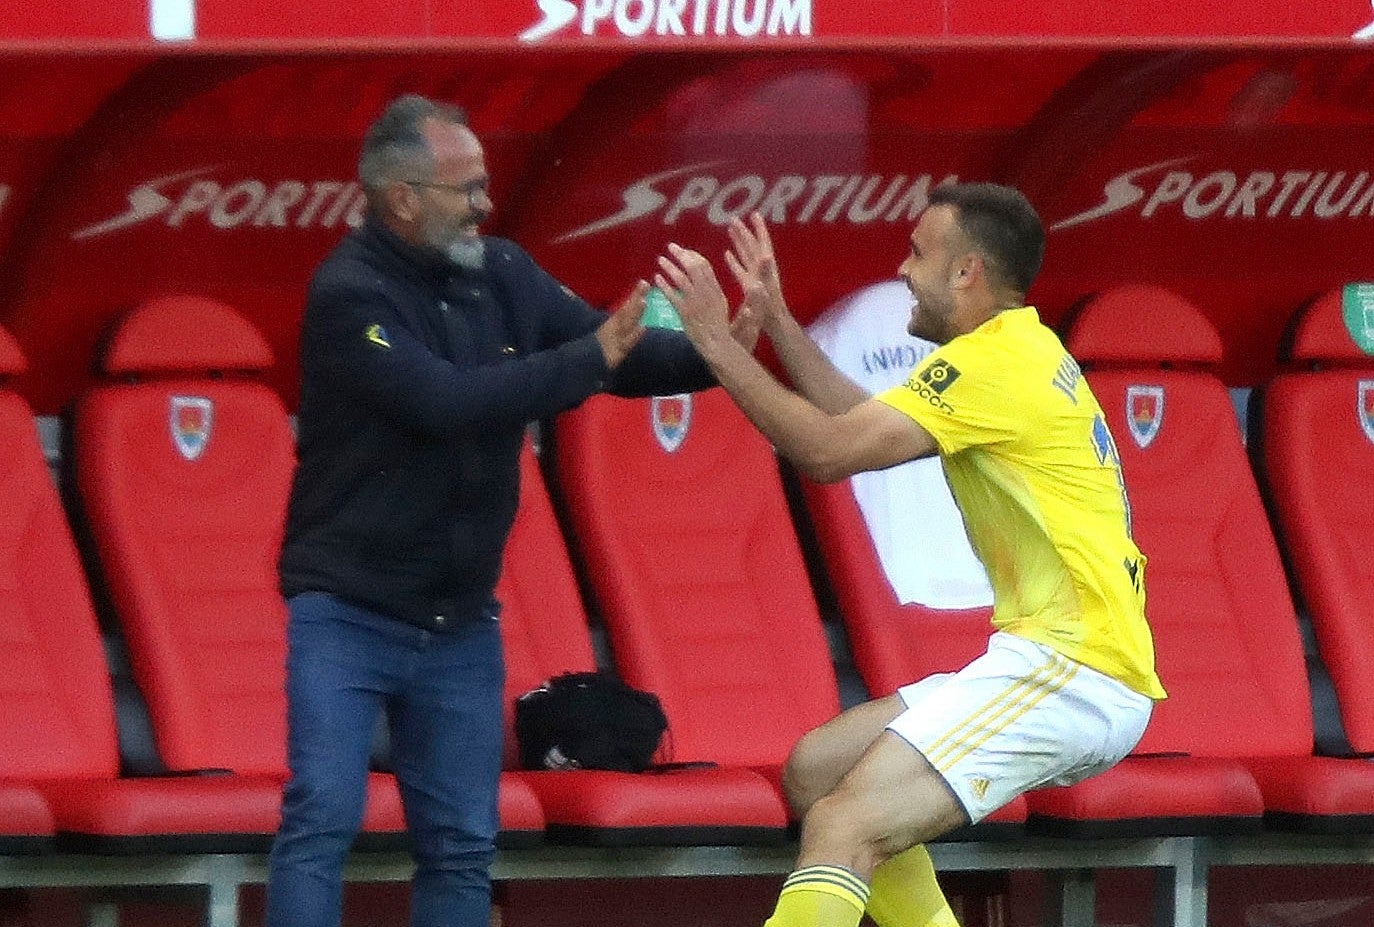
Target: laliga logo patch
[
  {"x": 1144, "y": 413},
  {"x": 670, "y": 417},
  {"x": 939, "y": 375},
  {"x": 190, "y": 420},
  {"x": 1366, "y": 408}
]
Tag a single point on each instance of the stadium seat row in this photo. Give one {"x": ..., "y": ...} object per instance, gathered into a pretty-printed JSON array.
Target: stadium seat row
[{"x": 180, "y": 461}]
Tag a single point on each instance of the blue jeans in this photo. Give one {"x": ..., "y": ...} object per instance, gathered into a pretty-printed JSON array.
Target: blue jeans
[{"x": 443, "y": 695}]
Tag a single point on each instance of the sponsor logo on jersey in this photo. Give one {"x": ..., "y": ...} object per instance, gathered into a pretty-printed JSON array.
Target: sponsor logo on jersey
[
  {"x": 1163, "y": 189},
  {"x": 670, "y": 18},
  {"x": 783, "y": 199},
  {"x": 191, "y": 419},
  {"x": 198, "y": 197},
  {"x": 670, "y": 417},
  {"x": 918, "y": 385},
  {"x": 939, "y": 375},
  {"x": 1144, "y": 413}
]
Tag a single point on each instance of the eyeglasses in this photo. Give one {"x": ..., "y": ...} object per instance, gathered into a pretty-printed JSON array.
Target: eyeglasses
[{"x": 475, "y": 190}]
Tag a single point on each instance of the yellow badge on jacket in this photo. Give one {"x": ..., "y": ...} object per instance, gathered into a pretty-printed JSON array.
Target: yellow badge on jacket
[{"x": 377, "y": 335}]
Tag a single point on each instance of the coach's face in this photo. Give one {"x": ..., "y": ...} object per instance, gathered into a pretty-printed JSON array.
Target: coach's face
[{"x": 452, "y": 205}]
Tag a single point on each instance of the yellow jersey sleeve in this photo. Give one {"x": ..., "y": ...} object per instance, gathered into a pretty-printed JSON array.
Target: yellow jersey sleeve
[{"x": 962, "y": 396}]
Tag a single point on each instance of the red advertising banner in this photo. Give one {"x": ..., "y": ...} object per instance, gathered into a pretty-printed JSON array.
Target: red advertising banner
[
  {"x": 636, "y": 23},
  {"x": 1239, "y": 177}
]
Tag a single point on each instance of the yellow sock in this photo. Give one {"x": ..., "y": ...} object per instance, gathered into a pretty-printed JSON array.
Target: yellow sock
[
  {"x": 820, "y": 896},
  {"x": 905, "y": 893}
]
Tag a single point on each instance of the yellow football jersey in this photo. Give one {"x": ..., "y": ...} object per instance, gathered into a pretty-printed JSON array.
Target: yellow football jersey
[{"x": 1029, "y": 458}]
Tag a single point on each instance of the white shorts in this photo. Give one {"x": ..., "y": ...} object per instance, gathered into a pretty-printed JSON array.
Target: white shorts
[{"x": 1019, "y": 717}]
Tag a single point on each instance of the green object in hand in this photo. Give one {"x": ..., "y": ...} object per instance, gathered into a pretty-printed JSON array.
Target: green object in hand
[{"x": 658, "y": 312}]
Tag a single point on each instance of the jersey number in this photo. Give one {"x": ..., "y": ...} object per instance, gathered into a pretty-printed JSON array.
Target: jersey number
[{"x": 1107, "y": 455}]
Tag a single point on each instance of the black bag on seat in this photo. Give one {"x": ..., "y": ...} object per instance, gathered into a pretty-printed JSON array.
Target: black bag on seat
[{"x": 588, "y": 721}]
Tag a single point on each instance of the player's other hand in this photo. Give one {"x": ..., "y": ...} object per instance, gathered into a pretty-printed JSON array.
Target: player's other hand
[{"x": 690, "y": 283}]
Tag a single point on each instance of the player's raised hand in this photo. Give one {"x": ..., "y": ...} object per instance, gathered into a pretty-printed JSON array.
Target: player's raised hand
[
  {"x": 621, "y": 332},
  {"x": 755, "y": 267},
  {"x": 689, "y": 281}
]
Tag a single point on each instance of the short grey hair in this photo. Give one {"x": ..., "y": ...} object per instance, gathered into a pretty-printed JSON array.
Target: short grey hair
[{"x": 395, "y": 147}]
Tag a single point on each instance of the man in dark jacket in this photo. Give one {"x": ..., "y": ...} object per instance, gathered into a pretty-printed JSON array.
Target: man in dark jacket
[{"x": 426, "y": 349}]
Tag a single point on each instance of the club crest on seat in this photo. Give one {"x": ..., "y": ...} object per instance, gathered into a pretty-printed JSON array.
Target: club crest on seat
[
  {"x": 1144, "y": 413},
  {"x": 191, "y": 419}
]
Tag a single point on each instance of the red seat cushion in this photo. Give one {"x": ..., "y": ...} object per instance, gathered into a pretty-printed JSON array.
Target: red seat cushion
[
  {"x": 24, "y": 812},
  {"x": 206, "y": 811},
  {"x": 1317, "y": 794},
  {"x": 161, "y": 807},
  {"x": 518, "y": 806},
  {"x": 720, "y": 805},
  {"x": 1152, "y": 795}
]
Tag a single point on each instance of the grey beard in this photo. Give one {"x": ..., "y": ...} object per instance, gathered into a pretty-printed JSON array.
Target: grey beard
[{"x": 467, "y": 253}]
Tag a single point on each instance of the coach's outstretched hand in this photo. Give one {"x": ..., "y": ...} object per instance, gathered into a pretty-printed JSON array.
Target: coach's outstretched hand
[{"x": 622, "y": 331}]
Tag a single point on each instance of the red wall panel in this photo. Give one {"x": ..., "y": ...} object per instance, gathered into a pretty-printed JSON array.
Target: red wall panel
[{"x": 1236, "y": 175}]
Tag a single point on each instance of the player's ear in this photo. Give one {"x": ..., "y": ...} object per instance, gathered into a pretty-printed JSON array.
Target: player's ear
[{"x": 966, "y": 270}]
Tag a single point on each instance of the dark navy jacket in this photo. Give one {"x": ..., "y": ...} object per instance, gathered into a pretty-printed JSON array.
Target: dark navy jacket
[{"x": 417, "y": 382}]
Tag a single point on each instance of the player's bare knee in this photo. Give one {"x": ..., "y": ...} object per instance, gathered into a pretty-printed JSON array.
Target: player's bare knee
[
  {"x": 838, "y": 829},
  {"x": 830, "y": 814}
]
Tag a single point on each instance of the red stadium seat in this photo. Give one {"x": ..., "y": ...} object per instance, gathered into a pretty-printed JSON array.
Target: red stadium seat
[
  {"x": 691, "y": 554},
  {"x": 544, "y": 627},
  {"x": 56, "y": 711},
  {"x": 1315, "y": 437},
  {"x": 60, "y": 718},
  {"x": 183, "y": 461},
  {"x": 1227, "y": 642},
  {"x": 894, "y": 644}
]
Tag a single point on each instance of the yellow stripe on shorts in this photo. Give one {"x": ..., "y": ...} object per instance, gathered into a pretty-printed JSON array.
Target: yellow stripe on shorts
[{"x": 1001, "y": 712}]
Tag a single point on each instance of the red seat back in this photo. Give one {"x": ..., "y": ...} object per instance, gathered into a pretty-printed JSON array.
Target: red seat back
[
  {"x": 56, "y": 708},
  {"x": 1226, "y": 636},
  {"x": 543, "y": 624},
  {"x": 184, "y": 462},
  {"x": 1317, "y": 455},
  {"x": 893, "y": 643},
  {"x": 909, "y": 611},
  {"x": 680, "y": 513}
]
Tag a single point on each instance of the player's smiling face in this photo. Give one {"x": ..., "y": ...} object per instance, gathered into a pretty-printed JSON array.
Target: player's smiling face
[{"x": 928, "y": 272}]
